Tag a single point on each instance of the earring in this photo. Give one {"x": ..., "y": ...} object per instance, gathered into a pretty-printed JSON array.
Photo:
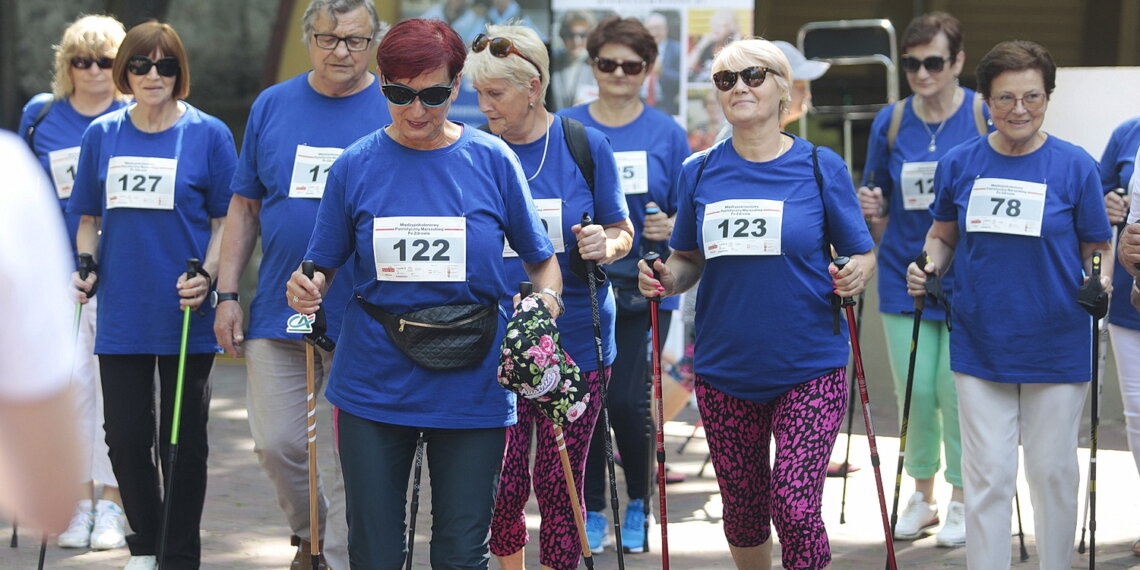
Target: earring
[{"x": 530, "y": 105}]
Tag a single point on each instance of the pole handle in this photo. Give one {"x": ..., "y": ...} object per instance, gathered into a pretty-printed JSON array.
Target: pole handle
[
  {"x": 193, "y": 265},
  {"x": 86, "y": 265},
  {"x": 841, "y": 262},
  {"x": 525, "y": 289},
  {"x": 1096, "y": 263},
  {"x": 318, "y": 337},
  {"x": 649, "y": 258}
]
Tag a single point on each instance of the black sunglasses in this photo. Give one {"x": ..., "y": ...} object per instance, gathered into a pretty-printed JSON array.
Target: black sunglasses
[
  {"x": 752, "y": 76},
  {"x": 401, "y": 96},
  {"x": 606, "y": 65},
  {"x": 86, "y": 62},
  {"x": 500, "y": 47},
  {"x": 141, "y": 64},
  {"x": 933, "y": 64}
]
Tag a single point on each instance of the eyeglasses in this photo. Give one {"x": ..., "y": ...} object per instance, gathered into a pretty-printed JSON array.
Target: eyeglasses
[
  {"x": 87, "y": 62},
  {"x": 352, "y": 43},
  {"x": 752, "y": 76},
  {"x": 141, "y": 64},
  {"x": 606, "y": 65},
  {"x": 500, "y": 47},
  {"x": 933, "y": 64},
  {"x": 1031, "y": 101},
  {"x": 401, "y": 96}
]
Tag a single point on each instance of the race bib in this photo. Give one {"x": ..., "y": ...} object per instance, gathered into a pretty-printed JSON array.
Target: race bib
[
  {"x": 743, "y": 227},
  {"x": 420, "y": 248},
  {"x": 550, "y": 212},
  {"x": 141, "y": 182},
  {"x": 63, "y": 163},
  {"x": 1003, "y": 206},
  {"x": 633, "y": 171},
  {"x": 918, "y": 184},
  {"x": 310, "y": 171}
]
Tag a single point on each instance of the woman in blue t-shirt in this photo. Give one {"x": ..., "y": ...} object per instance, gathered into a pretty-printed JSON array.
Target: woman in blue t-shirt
[
  {"x": 422, "y": 208},
  {"x": 53, "y": 125},
  {"x": 757, "y": 217},
  {"x": 1020, "y": 213},
  {"x": 152, "y": 188},
  {"x": 907, "y": 139}
]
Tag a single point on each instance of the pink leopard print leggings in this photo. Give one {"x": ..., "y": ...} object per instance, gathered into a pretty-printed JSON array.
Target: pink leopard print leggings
[
  {"x": 557, "y": 535},
  {"x": 804, "y": 422}
]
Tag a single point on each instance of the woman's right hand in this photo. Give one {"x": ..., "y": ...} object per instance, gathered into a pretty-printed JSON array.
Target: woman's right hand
[
  {"x": 655, "y": 287},
  {"x": 1116, "y": 206},
  {"x": 304, "y": 294},
  {"x": 83, "y": 287},
  {"x": 871, "y": 201},
  {"x": 916, "y": 278}
]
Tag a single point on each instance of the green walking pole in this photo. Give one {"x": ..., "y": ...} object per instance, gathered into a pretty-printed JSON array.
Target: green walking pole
[{"x": 193, "y": 265}]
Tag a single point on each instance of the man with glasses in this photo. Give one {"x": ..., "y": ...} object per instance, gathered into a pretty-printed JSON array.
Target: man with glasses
[{"x": 296, "y": 130}]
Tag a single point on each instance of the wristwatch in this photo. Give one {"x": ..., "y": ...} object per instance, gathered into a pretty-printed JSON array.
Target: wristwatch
[
  {"x": 557, "y": 299},
  {"x": 216, "y": 297}
]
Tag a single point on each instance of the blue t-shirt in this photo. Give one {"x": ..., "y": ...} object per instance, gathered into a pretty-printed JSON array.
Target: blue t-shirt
[
  {"x": 142, "y": 252},
  {"x": 61, "y": 128},
  {"x": 1116, "y": 170},
  {"x": 665, "y": 147},
  {"x": 285, "y": 117},
  {"x": 906, "y": 232},
  {"x": 477, "y": 178},
  {"x": 560, "y": 179},
  {"x": 1016, "y": 317},
  {"x": 765, "y": 323}
]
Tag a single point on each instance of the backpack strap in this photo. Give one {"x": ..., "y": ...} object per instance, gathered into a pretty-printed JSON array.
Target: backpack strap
[
  {"x": 980, "y": 117},
  {"x": 30, "y": 133},
  {"x": 579, "y": 143},
  {"x": 897, "y": 110}
]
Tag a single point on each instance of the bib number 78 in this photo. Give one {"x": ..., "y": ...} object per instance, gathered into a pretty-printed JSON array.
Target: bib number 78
[{"x": 1012, "y": 206}]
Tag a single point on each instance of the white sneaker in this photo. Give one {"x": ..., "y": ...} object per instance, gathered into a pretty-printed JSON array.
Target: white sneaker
[
  {"x": 141, "y": 563},
  {"x": 108, "y": 530},
  {"x": 78, "y": 533},
  {"x": 953, "y": 533},
  {"x": 918, "y": 516}
]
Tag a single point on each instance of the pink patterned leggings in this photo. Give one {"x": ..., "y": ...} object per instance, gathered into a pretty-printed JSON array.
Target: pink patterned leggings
[{"x": 804, "y": 422}]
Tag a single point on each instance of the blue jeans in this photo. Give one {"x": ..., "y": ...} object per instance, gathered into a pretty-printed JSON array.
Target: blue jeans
[{"x": 376, "y": 459}]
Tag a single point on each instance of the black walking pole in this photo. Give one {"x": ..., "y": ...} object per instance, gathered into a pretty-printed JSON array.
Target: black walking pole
[
  {"x": 193, "y": 265},
  {"x": 655, "y": 325},
  {"x": 1020, "y": 529},
  {"x": 591, "y": 268},
  {"x": 1094, "y": 299},
  {"x": 848, "y": 305},
  {"x": 415, "y": 499},
  {"x": 919, "y": 304}
]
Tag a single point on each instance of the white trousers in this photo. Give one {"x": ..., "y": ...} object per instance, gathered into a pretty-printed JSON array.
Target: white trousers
[
  {"x": 1126, "y": 348},
  {"x": 1046, "y": 418},
  {"x": 276, "y": 401},
  {"x": 88, "y": 389}
]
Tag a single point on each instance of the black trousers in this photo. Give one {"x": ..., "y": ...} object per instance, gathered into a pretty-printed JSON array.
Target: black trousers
[{"x": 129, "y": 421}]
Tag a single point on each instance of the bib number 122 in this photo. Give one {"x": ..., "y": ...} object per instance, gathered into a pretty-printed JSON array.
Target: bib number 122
[{"x": 421, "y": 247}]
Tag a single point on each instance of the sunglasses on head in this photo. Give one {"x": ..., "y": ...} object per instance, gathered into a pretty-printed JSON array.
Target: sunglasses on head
[
  {"x": 401, "y": 96},
  {"x": 87, "y": 62},
  {"x": 606, "y": 65},
  {"x": 141, "y": 64},
  {"x": 752, "y": 76},
  {"x": 500, "y": 47},
  {"x": 933, "y": 64}
]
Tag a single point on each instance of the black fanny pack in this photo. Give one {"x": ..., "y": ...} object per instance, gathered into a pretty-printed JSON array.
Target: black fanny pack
[{"x": 440, "y": 338}]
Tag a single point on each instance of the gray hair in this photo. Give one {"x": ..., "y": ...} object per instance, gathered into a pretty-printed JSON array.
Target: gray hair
[
  {"x": 334, "y": 7},
  {"x": 518, "y": 71}
]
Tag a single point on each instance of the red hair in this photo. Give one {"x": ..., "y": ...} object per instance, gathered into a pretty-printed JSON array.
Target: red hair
[{"x": 414, "y": 47}]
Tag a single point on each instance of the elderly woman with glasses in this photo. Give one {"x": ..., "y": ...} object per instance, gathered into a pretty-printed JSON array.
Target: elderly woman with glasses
[
  {"x": 757, "y": 219},
  {"x": 422, "y": 208},
  {"x": 53, "y": 125},
  {"x": 907, "y": 139},
  {"x": 152, "y": 189},
  {"x": 649, "y": 147},
  {"x": 1020, "y": 213},
  {"x": 509, "y": 68}
]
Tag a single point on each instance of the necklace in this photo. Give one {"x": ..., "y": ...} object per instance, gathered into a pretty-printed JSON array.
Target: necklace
[
  {"x": 545, "y": 146},
  {"x": 933, "y": 135}
]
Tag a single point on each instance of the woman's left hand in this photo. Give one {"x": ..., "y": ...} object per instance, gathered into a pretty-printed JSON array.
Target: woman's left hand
[
  {"x": 592, "y": 242},
  {"x": 853, "y": 278},
  {"x": 192, "y": 291}
]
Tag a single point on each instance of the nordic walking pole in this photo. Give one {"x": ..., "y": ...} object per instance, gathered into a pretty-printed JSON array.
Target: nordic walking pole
[
  {"x": 15, "y": 542},
  {"x": 607, "y": 437},
  {"x": 1020, "y": 530},
  {"x": 655, "y": 325},
  {"x": 850, "y": 421},
  {"x": 415, "y": 499},
  {"x": 919, "y": 304},
  {"x": 1094, "y": 299},
  {"x": 192, "y": 267},
  {"x": 848, "y": 305},
  {"x": 525, "y": 290},
  {"x": 312, "y": 340}
]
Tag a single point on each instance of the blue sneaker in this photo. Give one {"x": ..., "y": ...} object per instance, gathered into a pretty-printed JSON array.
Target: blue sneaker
[
  {"x": 633, "y": 529},
  {"x": 596, "y": 525}
]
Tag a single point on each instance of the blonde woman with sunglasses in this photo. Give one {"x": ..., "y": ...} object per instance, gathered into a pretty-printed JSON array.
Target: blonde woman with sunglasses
[{"x": 758, "y": 215}]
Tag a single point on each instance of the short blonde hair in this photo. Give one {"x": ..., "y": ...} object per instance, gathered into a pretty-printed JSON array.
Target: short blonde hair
[
  {"x": 483, "y": 66},
  {"x": 89, "y": 36},
  {"x": 758, "y": 51}
]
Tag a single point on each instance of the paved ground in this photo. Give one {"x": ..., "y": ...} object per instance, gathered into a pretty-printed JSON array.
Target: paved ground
[{"x": 242, "y": 527}]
